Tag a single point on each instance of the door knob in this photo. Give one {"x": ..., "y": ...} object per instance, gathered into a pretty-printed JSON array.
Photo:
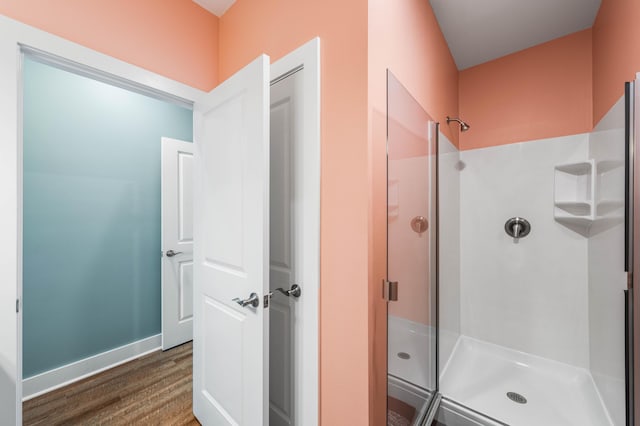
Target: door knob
[
  {"x": 171, "y": 253},
  {"x": 253, "y": 300}
]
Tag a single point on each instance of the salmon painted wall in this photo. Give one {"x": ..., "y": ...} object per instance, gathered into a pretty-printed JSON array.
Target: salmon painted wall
[
  {"x": 406, "y": 38},
  {"x": 541, "y": 92},
  {"x": 174, "y": 38},
  {"x": 616, "y": 52},
  {"x": 276, "y": 27}
]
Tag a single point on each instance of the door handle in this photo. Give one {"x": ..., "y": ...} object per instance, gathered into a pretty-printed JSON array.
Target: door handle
[
  {"x": 294, "y": 291},
  {"x": 171, "y": 253},
  {"x": 253, "y": 300}
]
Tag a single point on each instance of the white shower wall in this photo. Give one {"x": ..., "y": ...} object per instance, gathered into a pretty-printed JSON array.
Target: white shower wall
[
  {"x": 449, "y": 250},
  {"x": 530, "y": 295},
  {"x": 607, "y": 279}
]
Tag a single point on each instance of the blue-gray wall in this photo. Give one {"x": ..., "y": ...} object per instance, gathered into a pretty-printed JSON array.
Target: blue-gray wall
[{"x": 91, "y": 215}]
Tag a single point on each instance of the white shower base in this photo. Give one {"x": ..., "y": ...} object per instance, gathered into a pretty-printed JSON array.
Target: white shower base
[
  {"x": 415, "y": 341},
  {"x": 479, "y": 375}
]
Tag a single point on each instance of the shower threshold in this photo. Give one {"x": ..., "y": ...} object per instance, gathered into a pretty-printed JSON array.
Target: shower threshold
[{"x": 521, "y": 389}]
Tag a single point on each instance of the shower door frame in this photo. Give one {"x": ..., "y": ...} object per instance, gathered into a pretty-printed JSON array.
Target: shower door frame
[{"x": 632, "y": 250}]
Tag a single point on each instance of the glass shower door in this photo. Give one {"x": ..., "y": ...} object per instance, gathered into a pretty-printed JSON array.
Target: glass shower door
[{"x": 411, "y": 285}]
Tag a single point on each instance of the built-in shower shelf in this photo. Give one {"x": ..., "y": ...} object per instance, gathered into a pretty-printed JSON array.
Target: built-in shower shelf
[
  {"x": 606, "y": 207},
  {"x": 605, "y": 166},
  {"x": 574, "y": 192},
  {"x": 576, "y": 169},
  {"x": 574, "y": 208},
  {"x": 581, "y": 200}
]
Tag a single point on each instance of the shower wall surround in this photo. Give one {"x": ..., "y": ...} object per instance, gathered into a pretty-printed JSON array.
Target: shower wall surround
[
  {"x": 449, "y": 247},
  {"x": 607, "y": 279},
  {"x": 556, "y": 293},
  {"x": 529, "y": 295}
]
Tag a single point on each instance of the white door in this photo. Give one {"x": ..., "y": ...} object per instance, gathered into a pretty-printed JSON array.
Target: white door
[
  {"x": 231, "y": 250},
  {"x": 177, "y": 242},
  {"x": 285, "y": 246}
]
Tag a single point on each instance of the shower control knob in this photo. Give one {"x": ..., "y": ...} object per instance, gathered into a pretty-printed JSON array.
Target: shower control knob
[
  {"x": 419, "y": 224},
  {"x": 517, "y": 227}
]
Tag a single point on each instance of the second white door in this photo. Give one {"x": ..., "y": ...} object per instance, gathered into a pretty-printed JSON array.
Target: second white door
[
  {"x": 177, "y": 242},
  {"x": 285, "y": 248}
]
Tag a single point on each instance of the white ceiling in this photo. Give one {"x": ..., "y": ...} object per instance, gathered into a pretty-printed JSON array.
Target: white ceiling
[
  {"x": 478, "y": 31},
  {"x": 217, "y": 7}
]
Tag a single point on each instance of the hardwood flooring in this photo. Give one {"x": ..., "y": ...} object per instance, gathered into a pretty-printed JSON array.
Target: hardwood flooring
[{"x": 152, "y": 390}]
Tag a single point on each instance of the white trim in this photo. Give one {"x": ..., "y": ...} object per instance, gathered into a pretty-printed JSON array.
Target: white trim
[
  {"x": 102, "y": 76},
  {"x": 14, "y": 35},
  {"x": 78, "y": 370},
  {"x": 307, "y": 346}
]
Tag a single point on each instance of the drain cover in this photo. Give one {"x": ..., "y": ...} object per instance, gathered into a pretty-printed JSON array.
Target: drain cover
[
  {"x": 403, "y": 355},
  {"x": 516, "y": 397}
]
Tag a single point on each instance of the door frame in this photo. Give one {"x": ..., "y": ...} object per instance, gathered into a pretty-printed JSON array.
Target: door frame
[{"x": 17, "y": 36}]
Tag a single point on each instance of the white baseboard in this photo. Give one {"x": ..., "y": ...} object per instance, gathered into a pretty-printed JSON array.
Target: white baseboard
[{"x": 67, "y": 374}]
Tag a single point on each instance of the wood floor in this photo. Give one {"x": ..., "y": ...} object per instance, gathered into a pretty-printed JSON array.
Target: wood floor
[{"x": 152, "y": 390}]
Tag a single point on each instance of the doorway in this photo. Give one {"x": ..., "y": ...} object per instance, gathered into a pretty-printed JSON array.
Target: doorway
[{"x": 24, "y": 35}]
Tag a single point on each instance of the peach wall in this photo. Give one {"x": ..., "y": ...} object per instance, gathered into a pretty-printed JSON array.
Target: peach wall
[
  {"x": 616, "y": 52},
  {"x": 174, "y": 38},
  {"x": 276, "y": 27},
  {"x": 541, "y": 92},
  {"x": 406, "y": 38}
]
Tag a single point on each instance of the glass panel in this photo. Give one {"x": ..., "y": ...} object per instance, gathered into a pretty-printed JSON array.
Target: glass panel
[{"x": 411, "y": 256}]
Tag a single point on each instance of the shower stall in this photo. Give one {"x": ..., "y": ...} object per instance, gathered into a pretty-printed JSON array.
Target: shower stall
[{"x": 509, "y": 274}]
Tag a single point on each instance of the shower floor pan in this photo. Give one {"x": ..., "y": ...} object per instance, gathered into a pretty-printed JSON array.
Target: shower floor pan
[{"x": 480, "y": 376}]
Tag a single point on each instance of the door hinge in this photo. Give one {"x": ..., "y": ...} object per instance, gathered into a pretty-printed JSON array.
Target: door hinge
[
  {"x": 629, "y": 280},
  {"x": 17, "y": 306},
  {"x": 390, "y": 290}
]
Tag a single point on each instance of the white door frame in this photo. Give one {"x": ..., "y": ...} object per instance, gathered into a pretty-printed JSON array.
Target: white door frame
[{"x": 15, "y": 35}]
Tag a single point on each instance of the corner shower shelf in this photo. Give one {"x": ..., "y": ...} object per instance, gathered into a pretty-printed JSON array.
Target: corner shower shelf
[{"x": 577, "y": 187}]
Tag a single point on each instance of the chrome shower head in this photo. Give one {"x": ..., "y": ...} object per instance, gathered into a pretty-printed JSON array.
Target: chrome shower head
[{"x": 463, "y": 126}]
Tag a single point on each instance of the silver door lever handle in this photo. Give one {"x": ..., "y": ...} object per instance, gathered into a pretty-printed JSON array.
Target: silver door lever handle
[
  {"x": 171, "y": 253},
  {"x": 253, "y": 300},
  {"x": 294, "y": 291}
]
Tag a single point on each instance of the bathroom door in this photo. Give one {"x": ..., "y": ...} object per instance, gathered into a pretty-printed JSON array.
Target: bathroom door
[
  {"x": 411, "y": 286},
  {"x": 231, "y": 250}
]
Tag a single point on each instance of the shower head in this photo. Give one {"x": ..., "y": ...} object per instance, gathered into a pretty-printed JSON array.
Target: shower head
[{"x": 463, "y": 126}]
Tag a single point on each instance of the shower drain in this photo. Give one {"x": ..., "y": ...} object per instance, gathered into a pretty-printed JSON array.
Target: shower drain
[
  {"x": 516, "y": 397},
  {"x": 403, "y": 355}
]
